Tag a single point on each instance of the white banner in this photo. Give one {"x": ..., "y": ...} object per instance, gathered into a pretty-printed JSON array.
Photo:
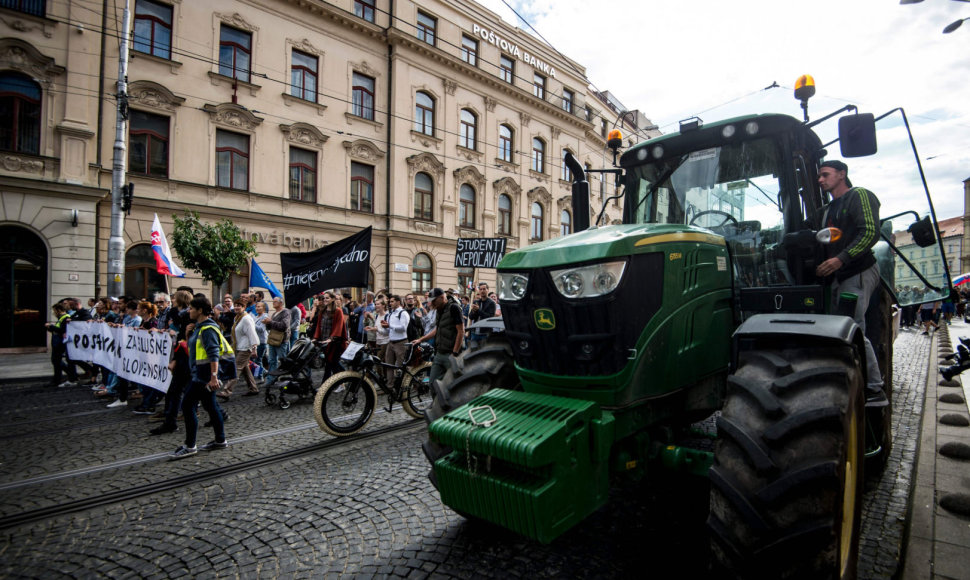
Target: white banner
[{"x": 141, "y": 356}]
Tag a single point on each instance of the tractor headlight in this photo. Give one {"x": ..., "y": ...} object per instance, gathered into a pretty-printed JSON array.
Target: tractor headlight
[
  {"x": 512, "y": 286},
  {"x": 588, "y": 281}
]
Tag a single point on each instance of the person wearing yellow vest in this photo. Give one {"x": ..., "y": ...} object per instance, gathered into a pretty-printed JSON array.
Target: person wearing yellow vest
[
  {"x": 206, "y": 346},
  {"x": 59, "y": 349}
]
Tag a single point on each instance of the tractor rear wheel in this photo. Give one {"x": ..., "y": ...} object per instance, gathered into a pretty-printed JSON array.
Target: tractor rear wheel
[
  {"x": 477, "y": 371},
  {"x": 787, "y": 479}
]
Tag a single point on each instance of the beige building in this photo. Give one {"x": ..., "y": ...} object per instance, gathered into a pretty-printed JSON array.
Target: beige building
[{"x": 302, "y": 121}]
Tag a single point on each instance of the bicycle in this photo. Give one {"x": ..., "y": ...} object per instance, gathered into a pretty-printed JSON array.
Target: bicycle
[{"x": 345, "y": 402}]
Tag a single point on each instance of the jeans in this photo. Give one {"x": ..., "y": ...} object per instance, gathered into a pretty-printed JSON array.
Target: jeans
[
  {"x": 439, "y": 366},
  {"x": 173, "y": 402},
  {"x": 198, "y": 392},
  {"x": 274, "y": 353},
  {"x": 60, "y": 363},
  {"x": 862, "y": 285}
]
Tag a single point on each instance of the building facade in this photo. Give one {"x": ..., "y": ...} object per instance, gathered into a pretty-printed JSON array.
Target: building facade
[
  {"x": 926, "y": 260},
  {"x": 302, "y": 121}
]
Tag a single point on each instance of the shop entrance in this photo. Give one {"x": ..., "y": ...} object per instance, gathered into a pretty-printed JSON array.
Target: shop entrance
[{"x": 23, "y": 288}]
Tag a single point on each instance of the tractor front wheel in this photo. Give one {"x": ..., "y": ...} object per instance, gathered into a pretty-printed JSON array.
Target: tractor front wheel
[{"x": 787, "y": 479}]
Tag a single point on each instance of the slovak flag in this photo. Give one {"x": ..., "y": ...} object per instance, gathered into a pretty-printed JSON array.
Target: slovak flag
[{"x": 163, "y": 256}]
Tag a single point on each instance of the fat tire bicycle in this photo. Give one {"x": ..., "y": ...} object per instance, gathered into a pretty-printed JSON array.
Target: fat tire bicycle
[{"x": 345, "y": 402}]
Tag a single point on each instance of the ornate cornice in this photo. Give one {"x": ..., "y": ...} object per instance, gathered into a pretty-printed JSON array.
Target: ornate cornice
[
  {"x": 233, "y": 116},
  {"x": 18, "y": 55},
  {"x": 540, "y": 194},
  {"x": 304, "y": 134},
  {"x": 153, "y": 95},
  {"x": 427, "y": 163},
  {"x": 236, "y": 21},
  {"x": 469, "y": 174},
  {"x": 306, "y": 46},
  {"x": 363, "y": 150},
  {"x": 508, "y": 186}
]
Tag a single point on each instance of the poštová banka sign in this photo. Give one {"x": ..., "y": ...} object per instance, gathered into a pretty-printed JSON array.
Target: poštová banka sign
[
  {"x": 479, "y": 252},
  {"x": 340, "y": 264},
  {"x": 139, "y": 355}
]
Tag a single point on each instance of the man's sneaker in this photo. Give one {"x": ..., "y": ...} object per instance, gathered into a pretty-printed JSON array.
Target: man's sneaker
[
  {"x": 143, "y": 411},
  {"x": 68, "y": 384},
  {"x": 156, "y": 417},
  {"x": 161, "y": 430},
  {"x": 212, "y": 445},
  {"x": 182, "y": 452},
  {"x": 118, "y": 403},
  {"x": 97, "y": 386}
]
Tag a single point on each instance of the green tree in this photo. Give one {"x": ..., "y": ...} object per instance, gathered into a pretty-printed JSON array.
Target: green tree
[{"x": 214, "y": 250}]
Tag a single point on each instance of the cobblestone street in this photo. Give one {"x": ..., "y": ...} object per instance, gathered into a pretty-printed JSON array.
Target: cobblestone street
[{"x": 355, "y": 509}]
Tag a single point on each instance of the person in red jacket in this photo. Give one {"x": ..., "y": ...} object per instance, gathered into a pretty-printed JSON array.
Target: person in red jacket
[{"x": 330, "y": 326}]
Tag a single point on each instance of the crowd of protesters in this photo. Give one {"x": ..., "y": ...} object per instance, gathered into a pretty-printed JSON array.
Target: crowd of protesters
[{"x": 232, "y": 346}]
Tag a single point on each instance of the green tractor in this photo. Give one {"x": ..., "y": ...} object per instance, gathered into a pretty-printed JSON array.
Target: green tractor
[{"x": 703, "y": 302}]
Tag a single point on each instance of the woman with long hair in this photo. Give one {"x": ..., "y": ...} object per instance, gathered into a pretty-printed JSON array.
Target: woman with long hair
[{"x": 330, "y": 325}]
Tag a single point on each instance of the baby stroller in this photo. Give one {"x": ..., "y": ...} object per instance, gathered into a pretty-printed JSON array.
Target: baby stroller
[{"x": 294, "y": 373}]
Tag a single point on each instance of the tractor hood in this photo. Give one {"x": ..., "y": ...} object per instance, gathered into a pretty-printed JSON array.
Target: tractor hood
[{"x": 603, "y": 243}]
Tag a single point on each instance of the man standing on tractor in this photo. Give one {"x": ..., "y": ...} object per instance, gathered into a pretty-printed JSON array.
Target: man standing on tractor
[
  {"x": 448, "y": 332},
  {"x": 855, "y": 211}
]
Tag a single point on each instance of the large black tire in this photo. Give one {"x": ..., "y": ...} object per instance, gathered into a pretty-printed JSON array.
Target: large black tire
[
  {"x": 787, "y": 479},
  {"x": 344, "y": 403},
  {"x": 418, "y": 395},
  {"x": 474, "y": 373}
]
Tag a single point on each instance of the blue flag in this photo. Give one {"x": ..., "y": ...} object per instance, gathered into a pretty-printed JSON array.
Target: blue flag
[{"x": 259, "y": 279}]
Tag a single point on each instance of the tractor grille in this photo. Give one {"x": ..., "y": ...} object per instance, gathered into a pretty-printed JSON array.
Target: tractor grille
[{"x": 592, "y": 336}]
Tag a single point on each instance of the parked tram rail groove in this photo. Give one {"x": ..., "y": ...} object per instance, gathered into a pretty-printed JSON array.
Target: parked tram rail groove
[{"x": 128, "y": 494}]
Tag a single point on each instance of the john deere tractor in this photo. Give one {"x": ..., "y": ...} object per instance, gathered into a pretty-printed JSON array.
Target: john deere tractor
[{"x": 704, "y": 301}]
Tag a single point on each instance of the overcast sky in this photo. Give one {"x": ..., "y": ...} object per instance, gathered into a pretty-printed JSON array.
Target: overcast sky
[{"x": 676, "y": 59}]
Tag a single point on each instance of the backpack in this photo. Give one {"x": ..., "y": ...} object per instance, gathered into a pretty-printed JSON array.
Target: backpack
[{"x": 415, "y": 328}]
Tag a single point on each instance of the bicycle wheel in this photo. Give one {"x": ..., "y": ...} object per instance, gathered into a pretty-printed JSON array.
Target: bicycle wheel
[
  {"x": 418, "y": 394},
  {"x": 344, "y": 403}
]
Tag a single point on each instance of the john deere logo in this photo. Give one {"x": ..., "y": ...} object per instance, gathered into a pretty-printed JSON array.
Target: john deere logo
[
  {"x": 809, "y": 301},
  {"x": 545, "y": 319}
]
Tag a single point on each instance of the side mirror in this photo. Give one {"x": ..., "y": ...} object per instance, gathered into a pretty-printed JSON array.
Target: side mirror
[
  {"x": 922, "y": 231},
  {"x": 857, "y": 135}
]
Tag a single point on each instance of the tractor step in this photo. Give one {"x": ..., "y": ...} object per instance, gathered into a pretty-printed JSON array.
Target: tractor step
[{"x": 536, "y": 464}]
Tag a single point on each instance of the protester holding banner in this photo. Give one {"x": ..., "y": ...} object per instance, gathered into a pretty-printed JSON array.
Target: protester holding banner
[
  {"x": 329, "y": 325},
  {"x": 206, "y": 346},
  {"x": 278, "y": 340}
]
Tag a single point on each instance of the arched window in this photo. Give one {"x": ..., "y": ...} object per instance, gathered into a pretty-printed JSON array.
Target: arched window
[
  {"x": 505, "y": 143},
  {"x": 505, "y": 215},
  {"x": 424, "y": 113},
  {"x": 423, "y": 197},
  {"x": 142, "y": 279},
  {"x": 538, "y": 155},
  {"x": 467, "y": 129},
  {"x": 467, "y": 209},
  {"x": 565, "y": 223},
  {"x": 421, "y": 273},
  {"x": 19, "y": 114},
  {"x": 536, "y": 232}
]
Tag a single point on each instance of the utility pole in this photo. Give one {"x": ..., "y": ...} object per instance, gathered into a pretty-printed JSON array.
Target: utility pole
[{"x": 116, "y": 243}]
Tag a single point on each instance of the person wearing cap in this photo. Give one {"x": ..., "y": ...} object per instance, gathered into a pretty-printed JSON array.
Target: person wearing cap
[
  {"x": 850, "y": 261},
  {"x": 449, "y": 333}
]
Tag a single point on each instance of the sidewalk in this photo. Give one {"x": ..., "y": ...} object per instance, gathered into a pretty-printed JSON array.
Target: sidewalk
[
  {"x": 25, "y": 368},
  {"x": 938, "y": 534}
]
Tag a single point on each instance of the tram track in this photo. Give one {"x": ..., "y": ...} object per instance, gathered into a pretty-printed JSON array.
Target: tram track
[{"x": 105, "y": 499}]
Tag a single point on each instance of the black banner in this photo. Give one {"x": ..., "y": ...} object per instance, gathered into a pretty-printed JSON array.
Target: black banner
[
  {"x": 479, "y": 252},
  {"x": 340, "y": 264}
]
